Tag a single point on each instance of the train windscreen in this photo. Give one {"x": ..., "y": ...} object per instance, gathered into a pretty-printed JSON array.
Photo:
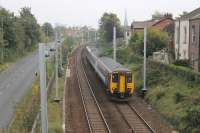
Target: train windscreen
[
  {"x": 115, "y": 77},
  {"x": 129, "y": 77}
]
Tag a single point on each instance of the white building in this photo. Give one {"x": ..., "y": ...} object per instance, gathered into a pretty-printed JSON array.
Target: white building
[
  {"x": 181, "y": 39},
  {"x": 181, "y": 36}
]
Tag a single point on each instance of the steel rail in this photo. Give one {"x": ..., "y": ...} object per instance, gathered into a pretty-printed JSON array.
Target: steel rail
[
  {"x": 93, "y": 96},
  {"x": 133, "y": 118},
  {"x": 141, "y": 118},
  {"x": 132, "y": 129}
]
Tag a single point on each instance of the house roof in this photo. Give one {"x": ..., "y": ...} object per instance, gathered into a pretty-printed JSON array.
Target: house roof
[
  {"x": 191, "y": 15},
  {"x": 141, "y": 24},
  {"x": 161, "y": 20}
]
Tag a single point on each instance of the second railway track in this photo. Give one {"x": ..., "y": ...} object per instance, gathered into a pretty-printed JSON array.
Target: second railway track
[
  {"x": 133, "y": 119},
  {"x": 95, "y": 118}
]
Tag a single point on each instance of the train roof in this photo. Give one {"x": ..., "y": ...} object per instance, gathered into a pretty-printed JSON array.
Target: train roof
[
  {"x": 109, "y": 63},
  {"x": 112, "y": 65}
]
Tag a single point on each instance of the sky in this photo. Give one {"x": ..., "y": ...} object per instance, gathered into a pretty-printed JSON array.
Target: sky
[{"x": 88, "y": 12}]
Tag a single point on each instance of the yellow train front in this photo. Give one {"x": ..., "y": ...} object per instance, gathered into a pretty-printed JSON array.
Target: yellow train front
[
  {"x": 121, "y": 84},
  {"x": 118, "y": 80}
]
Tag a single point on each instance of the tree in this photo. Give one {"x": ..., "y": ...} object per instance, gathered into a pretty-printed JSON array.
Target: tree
[
  {"x": 19, "y": 36},
  {"x": 107, "y": 22},
  {"x": 156, "y": 40},
  {"x": 17, "y": 33},
  {"x": 31, "y": 27},
  {"x": 48, "y": 29},
  {"x": 157, "y": 15}
]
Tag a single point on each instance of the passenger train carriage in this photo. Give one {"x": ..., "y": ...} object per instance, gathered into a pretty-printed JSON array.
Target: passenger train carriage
[{"x": 118, "y": 79}]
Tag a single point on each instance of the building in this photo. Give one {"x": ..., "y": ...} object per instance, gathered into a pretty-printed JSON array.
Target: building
[
  {"x": 182, "y": 35},
  {"x": 160, "y": 23},
  {"x": 164, "y": 22},
  {"x": 161, "y": 56},
  {"x": 187, "y": 38},
  {"x": 194, "y": 42},
  {"x": 127, "y": 29},
  {"x": 138, "y": 26}
]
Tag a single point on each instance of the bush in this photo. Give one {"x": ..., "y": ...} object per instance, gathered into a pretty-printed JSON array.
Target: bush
[
  {"x": 160, "y": 94},
  {"x": 192, "y": 120},
  {"x": 182, "y": 63},
  {"x": 178, "y": 97},
  {"x": 157, "y": 40}
]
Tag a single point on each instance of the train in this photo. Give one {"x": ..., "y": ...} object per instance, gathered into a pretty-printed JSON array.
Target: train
[{"x": 119, "y": 81}]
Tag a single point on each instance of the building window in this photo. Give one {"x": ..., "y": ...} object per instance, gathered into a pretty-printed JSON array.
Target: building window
[
  {"x": 177, "y": 35},
  {"x": 185, "y": 35},
  {"x": 184, "y": 54},
  {"x": 193, "y": 34}
]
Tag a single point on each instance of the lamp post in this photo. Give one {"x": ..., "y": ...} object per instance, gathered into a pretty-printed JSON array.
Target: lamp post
[
  {"x": 43, "y": 92},
  {"x": 144, "y": 89},
  {"x": 56, "y": 99},
  {"x": 2, "y": 36},
  {"x": 114, "y": 43}
]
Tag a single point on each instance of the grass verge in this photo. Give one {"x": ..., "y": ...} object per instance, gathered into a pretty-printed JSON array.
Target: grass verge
[
  {"x": 26, "y": 111},
  {"x": 55, "y": 109}
]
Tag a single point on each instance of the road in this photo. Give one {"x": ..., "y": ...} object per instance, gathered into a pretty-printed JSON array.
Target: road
[{"x": 14, "y": 83}]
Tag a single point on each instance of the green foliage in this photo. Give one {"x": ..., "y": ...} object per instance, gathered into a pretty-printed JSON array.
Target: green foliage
[
  {"x": 178, "y": 97},
  {"x": 26, "y": 111},
  {"x": 182, "y": 63},
  {"x": 191, "y": 120},
  {"x": 156, "y": 40},
  {"x": 157, "y": 15},
  {"x": 32, "y": 32},
  {"x": 172, "y": 90},
  {"x": 107, "y": 22},
  {"x": 18, "y": 34},
  {"x": 48, "y": 30}
]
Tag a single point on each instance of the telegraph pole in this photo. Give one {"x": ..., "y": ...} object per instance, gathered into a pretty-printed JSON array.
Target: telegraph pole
[
  {"x": 61, "y": 55},
  {"x": 82, "y": 37},
  {"x": 2, "y": 47},
  {"x": 88, "y": 35},
  {"x": 95, "y": 36},
  {"x": 43, "y": 92},
  {"x": 114, "y": 43},
  {"x": 56, "y": 99},
  {"x": 144, "y": 89}
]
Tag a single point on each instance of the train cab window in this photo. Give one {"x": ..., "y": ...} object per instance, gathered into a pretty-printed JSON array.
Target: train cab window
[
  {"x": 129, "y": 77},
  {"x": 115, "y": 77}
]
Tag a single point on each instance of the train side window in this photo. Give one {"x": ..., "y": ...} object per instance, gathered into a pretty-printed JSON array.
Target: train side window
[
  {"x": 129, "y": 77},
  {"x": 115, "y": 77}
]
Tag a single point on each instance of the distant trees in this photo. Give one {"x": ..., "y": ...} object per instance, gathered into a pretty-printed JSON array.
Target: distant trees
[
  {"x": 18, "y": 34},
  {"x": 48, "y": 30},
  {"x": 107, "y": 22},
  {"x": 31, "y": 28},
  {"x": 156, "y": 40},
  {"x": 157, "y": 15}
]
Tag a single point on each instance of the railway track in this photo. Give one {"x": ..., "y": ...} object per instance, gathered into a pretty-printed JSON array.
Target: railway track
[
  {"x": 95, "y": 118},
  {"x": 133, "y": 119}
]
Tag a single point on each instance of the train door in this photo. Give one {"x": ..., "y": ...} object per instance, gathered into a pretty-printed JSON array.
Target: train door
[{"x": 122, "y": 82}]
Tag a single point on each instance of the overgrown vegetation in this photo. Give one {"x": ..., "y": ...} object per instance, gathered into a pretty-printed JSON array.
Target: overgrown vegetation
[
  {"x": 174, "y": 90},
  {"x": 26, "y": 111},
  {"x": 55, "y": 118},
  {"x": 157, "y": 40},
  {"x": 19, "y": 34},
  {"x": 107, "y": 21}
]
